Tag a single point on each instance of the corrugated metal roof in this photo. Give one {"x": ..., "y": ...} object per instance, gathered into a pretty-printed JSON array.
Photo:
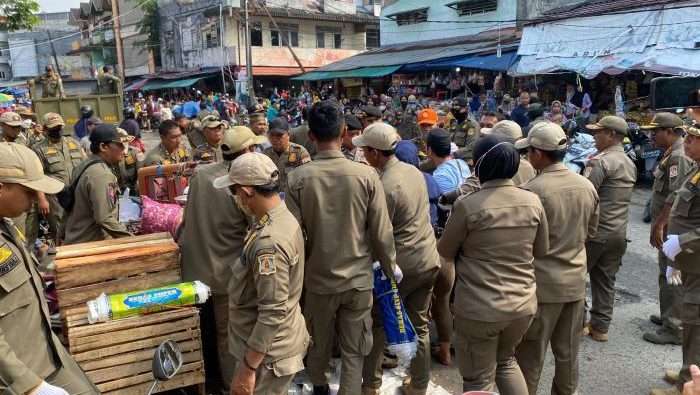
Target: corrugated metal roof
[
  {"x": 598, "y": 7},
  {"x": 422, "y": 51}
]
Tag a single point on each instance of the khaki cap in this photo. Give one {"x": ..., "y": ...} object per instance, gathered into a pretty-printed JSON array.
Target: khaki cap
[
  {"x": 612, "y": 122},
  {"x": 238, "y": 138},
  {"x": 380, "y": 135},
  {"x": 20, "y": 165},
  {"x": 211, "y": 121},
  {"x": 664, "y": 120},
  {"x": 547, "y": 136},
  {"x": 51, "y": 120},
  {"x": 506, "y": 128},
  {"x": 22, "y": 110},
  {"x": 249, "y": 169},
  {"x": 693, "y": 130},
  {"x": 11, "y": 118},
  {"x": 124, "y": 135}
]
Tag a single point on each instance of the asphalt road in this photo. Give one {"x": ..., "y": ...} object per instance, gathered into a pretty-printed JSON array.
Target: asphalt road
[{"x": 626, "y": 364}]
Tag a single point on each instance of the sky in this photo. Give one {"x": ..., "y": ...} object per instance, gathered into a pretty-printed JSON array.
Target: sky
[{"x": 58, "y": 5}]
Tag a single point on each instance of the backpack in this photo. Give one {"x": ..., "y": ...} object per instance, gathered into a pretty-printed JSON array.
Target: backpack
[{"x": 66, "y": 197}]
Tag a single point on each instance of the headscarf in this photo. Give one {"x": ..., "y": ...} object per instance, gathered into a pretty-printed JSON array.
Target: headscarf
[{"x": 496, "y": 158}]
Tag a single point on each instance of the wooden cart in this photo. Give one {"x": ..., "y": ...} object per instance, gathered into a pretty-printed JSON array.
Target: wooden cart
[{"x": 116, "y": 355}]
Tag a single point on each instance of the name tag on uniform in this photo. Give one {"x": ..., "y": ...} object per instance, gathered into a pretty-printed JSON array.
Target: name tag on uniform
[
  {"x": 51, "y": 151},
  {"x": 72, "y": 145}
]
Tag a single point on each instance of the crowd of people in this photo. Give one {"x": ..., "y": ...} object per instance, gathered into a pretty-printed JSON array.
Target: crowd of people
[{"x": 466, "y": 206}]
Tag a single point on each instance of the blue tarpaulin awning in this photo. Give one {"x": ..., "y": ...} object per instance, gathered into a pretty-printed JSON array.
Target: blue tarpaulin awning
[
  {"x": 484, "y": 62},
  {"x": 362, "y": 72}
]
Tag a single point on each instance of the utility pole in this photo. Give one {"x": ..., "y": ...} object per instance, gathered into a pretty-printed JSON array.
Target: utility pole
[
  {"x": 118, "y": 38},
  {"x": 53, "y": 50},
  {"x": 248, "y": 57},
  {"x": 221, "y": 41},
  {"x": 286, "y": 41}
]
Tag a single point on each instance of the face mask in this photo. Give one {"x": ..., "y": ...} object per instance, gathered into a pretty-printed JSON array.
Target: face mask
[
  {"x": 246, "y": 211},
  {"x": 460, "y": 115},
  {"x": 55, "y": 134}
]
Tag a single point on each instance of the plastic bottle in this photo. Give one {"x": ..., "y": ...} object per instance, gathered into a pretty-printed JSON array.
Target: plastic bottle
[{"x": 128, "y": 304}]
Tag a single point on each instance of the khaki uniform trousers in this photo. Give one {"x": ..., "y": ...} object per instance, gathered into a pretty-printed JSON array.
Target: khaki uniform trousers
[
  {"x": 486, "y": 355},
  {"x": 690, "y": 316},
  {"x": 55, "y": 219},
  {"x": 227, "y": 362},
  {"x": 670, "y": 299},
  {"x": 560, "y": 324},
  {"x": 416, "y": 294},
  {"x": 348, "y": 313},
  {"x": 72, "y": 379},
  {"x": 604, "y": 260},
  {"x": 442, "y": 315}
]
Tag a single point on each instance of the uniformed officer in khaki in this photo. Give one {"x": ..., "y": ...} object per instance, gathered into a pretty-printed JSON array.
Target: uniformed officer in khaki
[
  {"x": 682, "y": 248},
  {"x": 336, "y": 199},
  {"x": 192, "y": 129},
  {"x": 300, "y": 134},
  {"x": 108, "y": 83},
  {"x": 416, "y": 253},
  {"x": 613, "y": 175},
  {"x": 51, "y": 82},
  {"x": 493, "y": 235},
  {"x": 258, "y": 123},
  {"x": 284, "y": 154},
  {"x": 95, "y": 215},
  {"x": 212, "y": 236},
  {"x": 213, "y": 130},
  {"x": 571, "y": 205},
  {"x": 11, "y": 125},
  {"x": 126, "y": 170},
  {"x": 267, "y": 332},
  {"x": 60, "y": 155},
  {"x": 33, "y": 359},
  {"x": 170, "y": 150},
  {"x": 353, "y": 128},
  {"x": 666, "y": 130},
  {"x": 512, "y": 132},
  {"x": 463, "y": 130}
]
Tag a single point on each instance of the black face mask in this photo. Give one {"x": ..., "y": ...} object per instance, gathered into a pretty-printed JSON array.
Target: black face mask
[
  {"x": 55, "y": 133},
  {"x": 459, "y": 114}
]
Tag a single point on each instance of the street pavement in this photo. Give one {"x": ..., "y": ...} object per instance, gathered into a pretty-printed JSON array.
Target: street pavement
[{"x": 626, "y": 364}]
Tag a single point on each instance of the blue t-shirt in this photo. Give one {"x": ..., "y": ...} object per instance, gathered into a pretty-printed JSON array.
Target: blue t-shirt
[{"x": 450, "y": 175}]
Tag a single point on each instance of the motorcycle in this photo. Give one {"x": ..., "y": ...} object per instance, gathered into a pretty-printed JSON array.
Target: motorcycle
[{"x": 646, "y": 154}]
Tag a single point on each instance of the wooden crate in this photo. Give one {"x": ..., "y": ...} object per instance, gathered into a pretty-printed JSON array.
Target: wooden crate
[{"x": 117, "y": 355}]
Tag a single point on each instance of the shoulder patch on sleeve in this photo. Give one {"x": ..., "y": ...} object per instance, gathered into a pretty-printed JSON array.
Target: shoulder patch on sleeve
[
  {"x": 266, "y": 263},
  {"x": 587, "y": 171},
  {"x": 8, "y": 260},
  {"x": 673, "y": 171}
]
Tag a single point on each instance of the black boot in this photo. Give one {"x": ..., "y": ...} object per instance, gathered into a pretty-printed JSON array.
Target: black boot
[{"x": 322, "y": 390}]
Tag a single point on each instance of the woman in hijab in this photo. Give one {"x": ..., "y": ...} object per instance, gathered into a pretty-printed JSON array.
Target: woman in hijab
[{"x": 493, "y": 235}]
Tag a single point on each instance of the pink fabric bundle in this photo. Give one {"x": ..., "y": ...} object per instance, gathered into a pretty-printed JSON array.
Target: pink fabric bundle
[{"x": 160, "y": 217}]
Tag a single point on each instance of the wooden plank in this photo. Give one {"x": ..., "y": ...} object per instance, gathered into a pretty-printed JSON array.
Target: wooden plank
[
  {"x": 74, "y": 315},
  {"x": 135, "y": 368},
  {"x": 81, "y": 344},
  {"x": 107, "y": 249},
  {"x": 150, "y": 343},
  {"x": 72, "y": 296},
  {"x": 132, "y": 322},
  {"x": 136, "y": 356},
  {"x": 179, "y": 381},
  {"x": 95, "y": 269},
  {"x": 146, "y": 377},
  {"x": 60, "y": 250}
]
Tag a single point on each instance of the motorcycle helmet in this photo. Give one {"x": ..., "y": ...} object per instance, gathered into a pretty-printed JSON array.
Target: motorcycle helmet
[{"x": 86, "y": 111}]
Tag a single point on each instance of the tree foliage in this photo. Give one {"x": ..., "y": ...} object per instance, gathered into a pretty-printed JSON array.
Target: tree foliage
[
  {"x": 18, "y": 14},
  {"x": 149, "y": 27}
]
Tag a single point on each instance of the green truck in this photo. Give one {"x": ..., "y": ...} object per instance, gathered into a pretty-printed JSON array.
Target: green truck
[{"x": 108, "y": 107}]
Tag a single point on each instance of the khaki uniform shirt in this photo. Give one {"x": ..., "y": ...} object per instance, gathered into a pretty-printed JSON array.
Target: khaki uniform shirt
[
  {"x": 109, "y": 84},
  {"x": 30, "y": 350},
  {"x": 127, "y": 170},
  {"x": 213, "y": 229},
  {"x": 207, "y": 153},
  {"x": 464, "y": 135},
  {"x": 51, "y": 86},
  {"x": 21, "y": 139},
  {"x": 61, "y": 158},
  {"x": 194, "y": 134},
  {"x": 95, "y": 215},
  {"x": 613, "y": 175},
  {"x": 571, "y": 205},
  {"x": 525, "y": 172},
  {"x": 684, "y": 221},
  {"x": 355, "y": 155},
  {"x": 493, "y": 235},
  {"x": 160, "y": 156},
  {"x": 266, "y": 286},
  {"x": 300, "y": 135},
  {"x": 409, "y": 211},
  {"x": 673, "y": 169},
  {"x": 342, "y": 209},
  {"x": 294, "y": 156}
]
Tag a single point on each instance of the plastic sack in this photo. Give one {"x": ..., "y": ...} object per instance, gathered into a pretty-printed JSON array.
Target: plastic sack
[
  {"x": 129, "y": 210},
  {"x": 400, "y": 334},
  {"x": 160, "y": 217}
]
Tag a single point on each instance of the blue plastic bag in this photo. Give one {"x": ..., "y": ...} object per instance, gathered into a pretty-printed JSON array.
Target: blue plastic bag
[{"x": 400, "y": 334}]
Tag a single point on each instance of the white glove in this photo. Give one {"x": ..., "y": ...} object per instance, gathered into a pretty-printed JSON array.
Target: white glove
[
  {"x": 673, "y": 276},
  {"x": 47, "y": 389},
  {"x": 398, "y": 274},
  {"x": 672, "y": 247}
]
